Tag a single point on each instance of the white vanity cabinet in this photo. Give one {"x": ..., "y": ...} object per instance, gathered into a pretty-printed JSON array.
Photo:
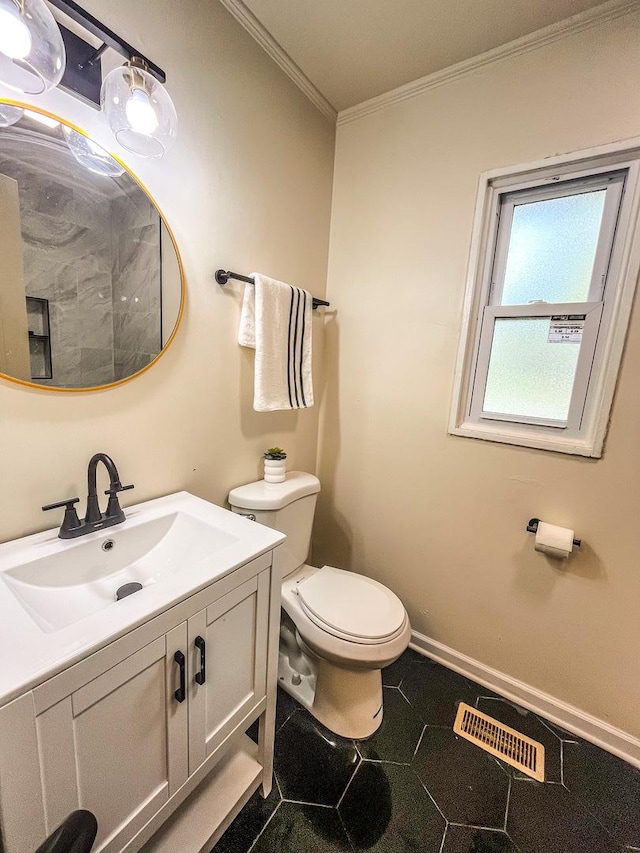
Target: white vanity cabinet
[
  {"x": 117, "y": 745},
  {"x": 234, "y": 631},
  {"x": 151, "y": 723}
]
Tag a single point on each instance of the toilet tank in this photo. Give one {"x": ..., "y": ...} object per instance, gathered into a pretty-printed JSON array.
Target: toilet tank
[{"x": 288, "y": 507}]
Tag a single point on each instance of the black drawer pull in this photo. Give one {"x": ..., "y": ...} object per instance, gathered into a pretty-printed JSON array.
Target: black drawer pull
[
  {"x": 181, "y": 692},
  {"x": 201, "y": 646}
]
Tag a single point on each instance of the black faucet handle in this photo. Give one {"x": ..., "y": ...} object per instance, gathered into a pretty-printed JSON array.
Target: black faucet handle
[
  {"x": 113, "y": 507},
  {"x": 71, "y": 521},
  {"x": 116, "y": 488},
  {"x": 68, "y": 504}
]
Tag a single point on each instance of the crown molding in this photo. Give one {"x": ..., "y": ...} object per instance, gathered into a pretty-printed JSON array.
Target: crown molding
[
  {"x": 575, "y": 24},
  {"x": 252, "y": 25}
]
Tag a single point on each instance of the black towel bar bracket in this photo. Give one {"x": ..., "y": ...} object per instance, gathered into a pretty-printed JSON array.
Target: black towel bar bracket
[{"x": 223, "y": 276}]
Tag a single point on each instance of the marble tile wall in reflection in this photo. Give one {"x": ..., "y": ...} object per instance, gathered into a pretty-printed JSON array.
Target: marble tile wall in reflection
[
  {"x": 96, "y": 259},
  {"x": 136, "y": 281},
  {"x": 67, "y": 260}
]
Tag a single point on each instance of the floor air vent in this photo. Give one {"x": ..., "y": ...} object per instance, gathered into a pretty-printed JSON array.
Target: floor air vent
[{"x": 494, "y": 737}]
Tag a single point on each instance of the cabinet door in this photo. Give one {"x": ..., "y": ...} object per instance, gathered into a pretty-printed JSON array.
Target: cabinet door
[
  {"x": 118, "y": 745},
  {"x": 234, "y": 630}
]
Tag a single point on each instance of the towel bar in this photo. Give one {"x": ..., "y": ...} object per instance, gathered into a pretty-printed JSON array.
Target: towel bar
[{"x": 223, "y": 276}]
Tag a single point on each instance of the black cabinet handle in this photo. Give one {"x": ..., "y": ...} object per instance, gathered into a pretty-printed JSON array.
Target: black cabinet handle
[
  {"x": 181, "y": 692},
  {"x": 201, "y": 646}
]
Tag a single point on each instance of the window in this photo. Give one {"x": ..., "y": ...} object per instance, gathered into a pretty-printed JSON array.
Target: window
[{"x": 551, "y": 278}]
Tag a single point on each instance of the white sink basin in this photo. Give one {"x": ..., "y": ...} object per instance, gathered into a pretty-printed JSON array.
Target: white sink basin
[
  {"x": 58, "y": 596},
  {"x": 69, "y": 585}
]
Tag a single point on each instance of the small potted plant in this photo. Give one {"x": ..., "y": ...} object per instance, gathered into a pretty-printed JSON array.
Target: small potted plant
[{"x": 275, "y": 465}]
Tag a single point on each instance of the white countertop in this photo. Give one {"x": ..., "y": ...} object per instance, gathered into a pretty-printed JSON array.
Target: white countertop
[{"x": 30, "y": 655}]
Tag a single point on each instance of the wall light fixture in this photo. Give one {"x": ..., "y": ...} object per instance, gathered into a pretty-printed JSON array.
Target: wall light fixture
[
  {"x": 37, "y": 53},
  {"x": 139, "y": 110},
  {"x": 32, "y": 54}
]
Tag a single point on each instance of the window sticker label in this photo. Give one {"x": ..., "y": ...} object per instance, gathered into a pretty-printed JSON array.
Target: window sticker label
[{"x": 566, "y": 328}]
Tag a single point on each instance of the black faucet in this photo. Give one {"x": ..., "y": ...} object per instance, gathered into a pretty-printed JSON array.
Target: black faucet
[{"x": 94, "y": 519}]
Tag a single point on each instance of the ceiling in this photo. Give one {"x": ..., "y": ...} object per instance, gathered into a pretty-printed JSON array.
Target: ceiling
[{"x": 353, "y": 50}]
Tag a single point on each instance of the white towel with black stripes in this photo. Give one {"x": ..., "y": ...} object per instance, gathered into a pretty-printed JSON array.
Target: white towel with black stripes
[{"x": 276, "y": 321}]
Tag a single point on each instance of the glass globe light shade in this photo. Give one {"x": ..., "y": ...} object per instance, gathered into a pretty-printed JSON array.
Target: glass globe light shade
[
  {"x": 9, "y": 115},
  {"x": 91, "y": 155},
  {"x": 32, "y": 54},
  {"x": 139, "y": 110}
]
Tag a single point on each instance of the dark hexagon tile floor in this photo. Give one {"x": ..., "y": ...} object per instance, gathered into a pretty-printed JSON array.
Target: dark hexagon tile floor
[
  {"x": 285, "y": 708},
  {"x": 470, "y": 839},
  {"x": 546, "y": 818},
  {"x": 387, "y": 810},
  {"x": 415, "y": 787},
  {"x": 312, "y": 764},
  {"x": 607, "y": 787},
  {"x": 435, "y": 692},
  {"x": 303, "y": 828},
  {"x": 398, "y": 736},
  {"x": 466, "y": 783}
]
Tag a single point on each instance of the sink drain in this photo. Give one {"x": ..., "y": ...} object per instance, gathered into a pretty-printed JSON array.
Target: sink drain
[
  {"x": 108, "y": 545},
  {"x": 127, "y": 589}
]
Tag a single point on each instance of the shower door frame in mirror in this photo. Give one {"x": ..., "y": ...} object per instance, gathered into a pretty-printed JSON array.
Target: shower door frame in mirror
[{"x": 162, "y": 227}]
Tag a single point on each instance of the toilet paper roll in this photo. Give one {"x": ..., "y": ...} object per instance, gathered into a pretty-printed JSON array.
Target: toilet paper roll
[{"x": 553, "y": 540}]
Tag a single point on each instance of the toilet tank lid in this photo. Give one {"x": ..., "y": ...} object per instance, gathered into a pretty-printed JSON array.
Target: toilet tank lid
[{"x": 265, "y": 496}]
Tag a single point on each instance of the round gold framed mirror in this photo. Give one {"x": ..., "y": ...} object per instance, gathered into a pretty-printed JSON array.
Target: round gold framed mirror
[{"x": 91, "y": 281}]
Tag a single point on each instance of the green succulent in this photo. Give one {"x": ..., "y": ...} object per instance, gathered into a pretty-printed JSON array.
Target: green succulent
[{"x": 275, "y": 453}]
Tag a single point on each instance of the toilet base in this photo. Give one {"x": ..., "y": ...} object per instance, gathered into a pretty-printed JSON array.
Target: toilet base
[{"x": 346, "y": 701}]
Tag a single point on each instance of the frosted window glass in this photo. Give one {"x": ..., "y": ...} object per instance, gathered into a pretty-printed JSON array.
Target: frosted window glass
[
  {"x": 528, "y": 376},
  {"x": 552, "y": 247}
]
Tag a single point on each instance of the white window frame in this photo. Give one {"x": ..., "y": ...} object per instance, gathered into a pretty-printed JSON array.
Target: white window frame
[{"x": 607, "y": 311}]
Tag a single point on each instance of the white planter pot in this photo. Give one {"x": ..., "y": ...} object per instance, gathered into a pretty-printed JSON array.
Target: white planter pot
[{"x": 275, "y": 470}]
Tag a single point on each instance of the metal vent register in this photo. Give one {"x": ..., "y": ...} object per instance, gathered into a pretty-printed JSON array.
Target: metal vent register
[{"x": 520, "y": 751}]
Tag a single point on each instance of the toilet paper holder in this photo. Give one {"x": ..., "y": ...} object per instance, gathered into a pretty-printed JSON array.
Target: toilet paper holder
[{"x": 532, "y": 527}]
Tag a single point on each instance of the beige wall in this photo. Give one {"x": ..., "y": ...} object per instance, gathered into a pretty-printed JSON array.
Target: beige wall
[
  {"x": 247, "y": 186},
  {"x": 441, "y": 519}
]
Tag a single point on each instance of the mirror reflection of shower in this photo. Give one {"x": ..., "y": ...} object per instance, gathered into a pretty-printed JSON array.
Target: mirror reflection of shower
[{"x": 91, "y": 290}]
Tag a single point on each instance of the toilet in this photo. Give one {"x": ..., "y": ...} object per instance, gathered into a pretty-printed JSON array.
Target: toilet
[{"x": 338, "y": 628}]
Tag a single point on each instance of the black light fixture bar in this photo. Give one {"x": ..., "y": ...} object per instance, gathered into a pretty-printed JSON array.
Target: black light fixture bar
[
  {"x": 108, "y": 37},
  {"x": 83, "y": 72}
]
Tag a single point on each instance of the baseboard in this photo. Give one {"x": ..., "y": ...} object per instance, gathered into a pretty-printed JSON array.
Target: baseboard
[{"x": 572, "y": 719}]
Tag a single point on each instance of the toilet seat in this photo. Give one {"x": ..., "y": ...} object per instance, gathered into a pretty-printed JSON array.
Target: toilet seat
[
  {"x": 347, "y": 650},
  {"x": 351, "y": 607}
]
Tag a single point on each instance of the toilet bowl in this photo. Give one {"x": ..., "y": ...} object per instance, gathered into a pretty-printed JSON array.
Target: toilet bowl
[{"x": 338, "y": 628}]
